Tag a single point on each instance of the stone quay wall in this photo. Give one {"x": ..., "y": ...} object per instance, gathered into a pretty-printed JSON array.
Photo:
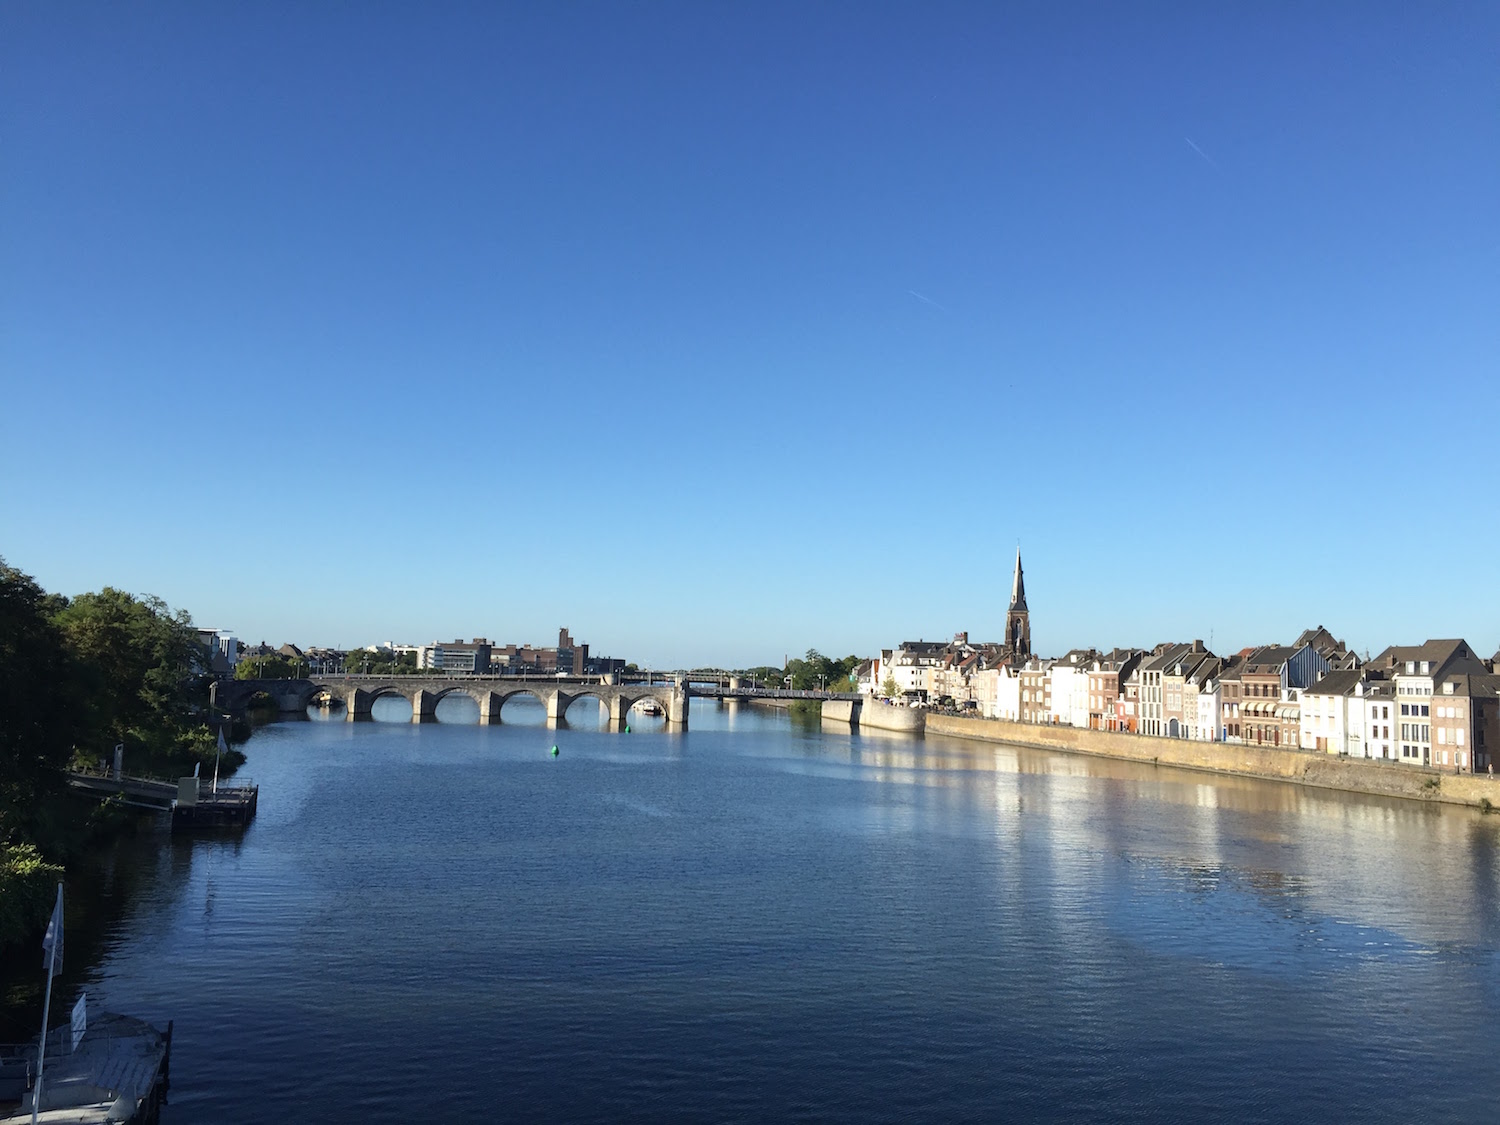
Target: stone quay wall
[
  {"x": 1327, "y": 771},
  {"x": 878, "y": 716}
]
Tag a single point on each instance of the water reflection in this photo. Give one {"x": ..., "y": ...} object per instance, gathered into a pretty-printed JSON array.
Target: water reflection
[
  {"x": 523, "y": 709},
  {"x": 390, "y": 708},
  {"x": 457, "y": 707}
]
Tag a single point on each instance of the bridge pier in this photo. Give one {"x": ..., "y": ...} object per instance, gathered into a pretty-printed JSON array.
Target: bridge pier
[
  {"x": 423, "y": 707},
  {"x": 489, "y": 709},
  {"x": 557, "y": 706},
  {"x": 356, "y": 705}
]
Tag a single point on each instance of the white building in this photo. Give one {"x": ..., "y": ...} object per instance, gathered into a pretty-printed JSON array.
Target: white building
[
  {"x": 1206, "y": 728},
  {"x": 997, "y": 690},
  {"x": 223, "y": 649},
  {"x": 1376, "y": 700},
  {"x": 1070, "y": 687},
  {"x": 1332, "y": 719},
  {"x": 907, "y": 665}
]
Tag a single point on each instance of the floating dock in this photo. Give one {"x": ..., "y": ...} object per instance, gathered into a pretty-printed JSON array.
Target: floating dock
[
  {"x": 232, "y": 806},
  {"x": 194, "y": 804}
]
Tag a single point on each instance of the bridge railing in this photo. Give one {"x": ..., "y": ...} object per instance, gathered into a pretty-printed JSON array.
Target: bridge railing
[
  {"x": 779, "y": 693},
  {"x": 479, "y": 677}
]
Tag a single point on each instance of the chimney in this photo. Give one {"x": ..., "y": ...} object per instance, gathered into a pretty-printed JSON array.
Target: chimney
[{"x": 1198, "y": 646}]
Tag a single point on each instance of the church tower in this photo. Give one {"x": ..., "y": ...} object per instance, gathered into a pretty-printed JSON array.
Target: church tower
[{"x": 1018, "y": 619}]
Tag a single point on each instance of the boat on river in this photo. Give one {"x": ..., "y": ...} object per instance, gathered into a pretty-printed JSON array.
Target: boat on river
[{"x": 115, "y": 1075}]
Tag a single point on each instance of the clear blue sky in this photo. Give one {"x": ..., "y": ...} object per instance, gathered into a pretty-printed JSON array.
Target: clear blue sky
[{"x": 716, "y": 333}]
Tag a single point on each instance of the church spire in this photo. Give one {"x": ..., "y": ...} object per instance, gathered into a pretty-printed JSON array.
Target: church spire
[{"x": 1018, "y": 619}]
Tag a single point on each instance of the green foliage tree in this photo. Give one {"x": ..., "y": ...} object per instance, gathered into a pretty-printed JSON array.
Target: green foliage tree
[
  {"x": 889, "y": 687},
  {"x": 42, "y": 709},
  {"x": 273, "y": 667},
  {"x": 376, "y": 662},
  {"x": 816, "y": 671},
  {"x": 813, "y": 671},
  {"x": 764, "y": 675},
  {"x": 27, "y": 885},
  {"x": 141, "y": 666},
  {"x": 142, "y": 662}
]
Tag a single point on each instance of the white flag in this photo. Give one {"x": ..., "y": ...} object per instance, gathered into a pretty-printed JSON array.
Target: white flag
[
  {"x": 79, "y": 1022},
  {"x": 52, "y": 942},
  {"x": 222, "y": 747}
]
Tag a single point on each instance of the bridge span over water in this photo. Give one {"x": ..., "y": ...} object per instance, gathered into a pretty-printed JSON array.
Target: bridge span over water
[{"x": 359, "y": 693}]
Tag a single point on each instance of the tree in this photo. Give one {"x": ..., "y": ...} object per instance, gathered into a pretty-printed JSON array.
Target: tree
[
  {"x": 27, "y": 884},
  {"x": 376, "y": 662},
  {"x": 140, "y": 665},
  {"x": 265, "y": 668},
  {"x": 42, "y": 711},
  {"x": 889, "y": 688}
]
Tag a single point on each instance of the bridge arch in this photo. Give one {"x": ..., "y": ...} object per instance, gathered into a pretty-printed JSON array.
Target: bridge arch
[
  {"x": 477, "y": 694},
  {"x": 375, "y": 693},
  {"x": 506, "y": 694}
]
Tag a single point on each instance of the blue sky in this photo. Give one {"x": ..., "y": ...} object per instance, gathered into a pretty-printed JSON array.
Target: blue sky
[{"x": 719, "y": 332}]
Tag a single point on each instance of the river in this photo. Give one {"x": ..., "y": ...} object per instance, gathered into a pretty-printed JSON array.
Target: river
[{"x": 760, "y": 919}]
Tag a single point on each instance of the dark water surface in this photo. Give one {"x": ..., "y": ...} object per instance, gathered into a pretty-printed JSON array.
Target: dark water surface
[{"x": 758, "y": 920}]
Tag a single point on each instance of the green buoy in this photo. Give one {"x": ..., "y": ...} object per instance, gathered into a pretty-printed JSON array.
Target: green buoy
[
  {"x": 554, "y": 751},
  {"x": 627, "y": 728}
]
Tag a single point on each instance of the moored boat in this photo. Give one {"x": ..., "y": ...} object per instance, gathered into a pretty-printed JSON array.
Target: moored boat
[{"x": 116, "y": 1074}]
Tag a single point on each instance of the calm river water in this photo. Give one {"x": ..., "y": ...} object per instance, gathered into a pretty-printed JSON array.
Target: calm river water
[{"x": 762, "y": 920}]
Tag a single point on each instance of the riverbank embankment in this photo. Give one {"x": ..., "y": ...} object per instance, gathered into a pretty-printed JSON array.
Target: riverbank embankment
[
  {"x": 873, "y": 714},
  {"x": 1326, "y": 771}
]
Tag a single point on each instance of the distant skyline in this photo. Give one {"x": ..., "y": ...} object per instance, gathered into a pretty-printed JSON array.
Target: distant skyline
[{"x": 715, "y": 333}]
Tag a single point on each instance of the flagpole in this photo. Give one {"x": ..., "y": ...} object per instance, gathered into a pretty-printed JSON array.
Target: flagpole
[{"x": 41, "y": 1057}]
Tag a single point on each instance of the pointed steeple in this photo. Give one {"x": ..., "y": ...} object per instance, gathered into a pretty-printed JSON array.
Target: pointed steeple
[{"x": 1018, "y": 588}]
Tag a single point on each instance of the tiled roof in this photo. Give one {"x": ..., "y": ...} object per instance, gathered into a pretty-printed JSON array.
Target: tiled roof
[
  {"x": 1270, "y": 658},
  {"x": 1441, "y": 655},
  {"x": 1168, "y": 657},
  {"x": 1206, "y": 669},
  {"x": 1470, "y": 684}
]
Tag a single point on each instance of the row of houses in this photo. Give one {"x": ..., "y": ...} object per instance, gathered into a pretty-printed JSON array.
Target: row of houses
[{"x": 1434, "y": 704}]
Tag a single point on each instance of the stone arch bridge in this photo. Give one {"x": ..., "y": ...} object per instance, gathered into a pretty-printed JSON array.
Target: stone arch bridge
[{"x": 359, "y": 693}]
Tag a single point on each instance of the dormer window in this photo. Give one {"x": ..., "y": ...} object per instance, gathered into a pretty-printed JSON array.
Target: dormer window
[
  {"x": 1411, "y": 667},
  {"x": 1426, "y": 667},
  {"x": 1448, "y": 688}
]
